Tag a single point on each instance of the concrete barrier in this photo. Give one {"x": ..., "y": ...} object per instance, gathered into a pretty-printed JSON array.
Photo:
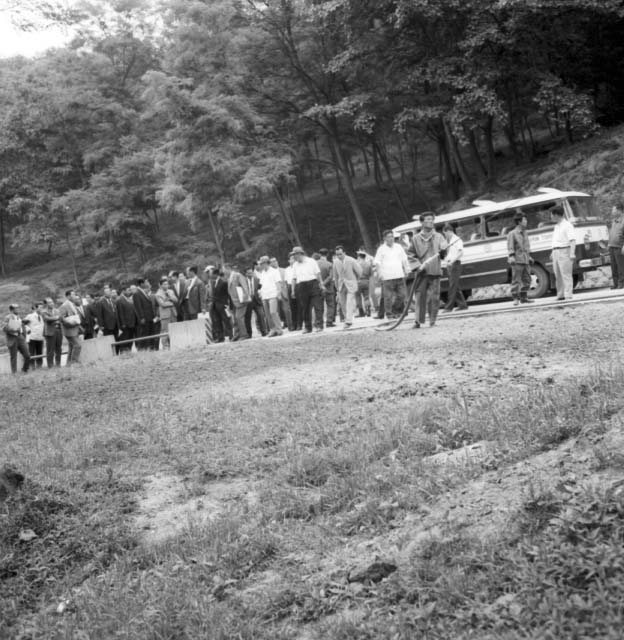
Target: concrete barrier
[
  {"x": 191, "y": 333},
  {"x": 5, "y": 363},
  {"x": 97, "y": 349}
]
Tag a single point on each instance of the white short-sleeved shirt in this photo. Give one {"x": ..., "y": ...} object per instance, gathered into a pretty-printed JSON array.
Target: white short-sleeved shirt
[
  {"x": 306, "y": 270},
  {"x": 271, "y": 281},
  {"x": 35, "y": 325},
  {"x": 391, "y": 261},
  {"x": 289, "y": 275},
  {"x": 563, "y": 234}
]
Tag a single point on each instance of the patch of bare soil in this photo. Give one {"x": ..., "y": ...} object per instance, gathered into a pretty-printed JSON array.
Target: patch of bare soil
[{"x": 166, "y": 508}]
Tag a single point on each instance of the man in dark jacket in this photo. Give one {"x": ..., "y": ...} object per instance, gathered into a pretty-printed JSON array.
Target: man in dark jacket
[
  {"x": 219, "y": 311},
  {"x": 195, "y": 294},
  {"x": 144, "y": 308},
  {"x": 107, "y": 313},
  {"x": 89, "y": 313},
  {"x": 519, "y": 251},
  {"x": 126, "y": 319}
]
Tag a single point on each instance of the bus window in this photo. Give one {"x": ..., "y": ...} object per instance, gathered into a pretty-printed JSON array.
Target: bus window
[
  {"x": 500, "y": 224},
  {"x": 538, "y": 215},
  {"x": 468, "y": 230}
]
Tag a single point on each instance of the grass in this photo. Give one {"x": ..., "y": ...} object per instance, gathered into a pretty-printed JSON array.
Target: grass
[{"x": 335, "y": 479}]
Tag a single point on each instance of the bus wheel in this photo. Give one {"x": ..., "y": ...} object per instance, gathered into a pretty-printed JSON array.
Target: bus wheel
[{"x": 540, "y": 282}]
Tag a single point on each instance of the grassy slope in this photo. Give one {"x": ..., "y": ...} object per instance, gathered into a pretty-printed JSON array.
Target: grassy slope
[{"x": 339, "y": 476}]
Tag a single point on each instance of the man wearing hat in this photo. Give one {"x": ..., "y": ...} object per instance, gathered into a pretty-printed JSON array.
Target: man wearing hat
[
  {"x": 563, "y": 253},
  {"x": 309, "y": 289},
  {"x": 15, "y": 331},
  {"x": 329, "y": 297}
]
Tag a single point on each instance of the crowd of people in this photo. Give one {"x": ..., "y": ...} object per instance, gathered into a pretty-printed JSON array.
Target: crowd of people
[{"x": 307, "y": 295}]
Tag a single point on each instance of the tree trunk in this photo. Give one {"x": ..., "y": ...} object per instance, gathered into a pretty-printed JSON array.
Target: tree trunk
[
  {"x": 377, "y": 171},
  {"x": 488, "y": 138},
  {"x": 215, "y": 235},
  {"x": 386, "y": 165},
  {"x": 2, "y": 245},
  {"x": 400, "y": 159},
  {"x": 476, "y": 158},
  {"x": 457, "y": 159},
  {"x": 72, "y": 257},
  {"x": 350, "y": 191},
  {"x": 319, "y": 166},
  {"x": 291, "y": 227},
  {"x": 365, "y": 157}
]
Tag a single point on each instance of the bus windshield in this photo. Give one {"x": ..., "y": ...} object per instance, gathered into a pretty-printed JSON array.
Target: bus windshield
[{"x": 583, "y": 208}]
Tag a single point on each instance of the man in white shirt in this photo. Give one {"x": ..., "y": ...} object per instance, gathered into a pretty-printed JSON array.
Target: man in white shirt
[
  {"x": 270, "y": 289},
  {"x": 289, "y": 277},
  {"x": 283, "y": 298},
  {"x": 453, "y": 261},
  {"x": 35, "y": 337},
  {"x": 563, "y": 253},
  {"x": 309, "y": 288},
  {"x": 392, "y": 267}
]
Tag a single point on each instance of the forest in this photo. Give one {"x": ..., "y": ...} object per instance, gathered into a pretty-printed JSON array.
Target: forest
[{"x": 231, "y": 114}]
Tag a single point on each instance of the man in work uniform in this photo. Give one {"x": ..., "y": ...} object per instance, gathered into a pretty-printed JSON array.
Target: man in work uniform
[
  {"x": 616, "y": 242},
  {"x": 519, "y": 250},
  {"x": 424, "y": 253}
]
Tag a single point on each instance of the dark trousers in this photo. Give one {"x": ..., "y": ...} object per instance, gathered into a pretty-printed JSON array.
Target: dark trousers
[
  {"x": 394, "y": 293},
  {"x": 18, "y": 343},
  {"x": 294, "y": 313},
  {"x": 221, "y": 326},
  {"x": 155, "y": 345},
  {"x": 520, "y": 280},
  {"x": 427, "y": 298},
  {"x": 261, "y": 325},
  {"x": 54, "y": 348},
  {"x": 455, "y": 295},
  {"x": 329, "y": 298},
  {"x": 35, "y": 348},
  {"x": 129, "y": 333},
  {"x": 73, "y": 350},
  {"x": 617, "y": 266},
  {"x": 144, "y": 331},
  {"x": 362, "y": 297},
  {"x": 308, "y": 298}
]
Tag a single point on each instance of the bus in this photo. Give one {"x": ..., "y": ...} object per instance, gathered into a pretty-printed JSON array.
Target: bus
[{"x": 484, "y": 228}]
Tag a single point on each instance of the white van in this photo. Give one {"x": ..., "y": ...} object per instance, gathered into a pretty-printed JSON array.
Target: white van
[{"x": 484, "y": 228}]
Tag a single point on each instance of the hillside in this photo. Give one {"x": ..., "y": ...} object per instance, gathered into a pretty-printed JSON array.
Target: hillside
[
  {"x": 323, "y": 219},
  {"x": 462, "y": 482}
]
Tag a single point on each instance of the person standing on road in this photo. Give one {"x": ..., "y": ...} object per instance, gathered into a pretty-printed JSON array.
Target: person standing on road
[
  {"x": 424, "y": 255},
  {"x": 270, "y": 290},
  {"x": 126, "y": 319},
  {"x": 70, "y": 321},
  {"x": 15, "y": 331},
  {"x": 346, "y": 272},
  {"x": 616, "y": 242},
  {"x": 392, "y": 268},
  {"x": 146, "y": 313},
  {"x": 563, "y": 253},
  {"x": 519, "y": 257},
  {"x": 167, "y": 313},
  {"x": 52, "y": 333},
  {"x": 454, "y": 255},
  {"x": 238, "y": 288},
  {"x": 195, "y": 295},
  {"x": 329, "y": 296},
  {"x": 362, "y": 297},
  {"x": 35, "y": 337},
  {"x": 309, "y": 290}
]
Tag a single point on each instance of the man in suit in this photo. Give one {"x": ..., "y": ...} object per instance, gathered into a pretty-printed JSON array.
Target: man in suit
[
  {"x": 89, "y": 312},
  {"x": 52, "y": 333},
  {"x": 329, "y": 296},
  {"x": 144, "y": 307},
  {"x": 126, "y": 319},
  {"x": 220, "y": 296},
  {"x": 255, "y": 304},
  {"x": 195, "y": 294},
  {"x": 283, "y": 298},
  {"x": 238, "y": 289},
  {"x": 178, "y": 285},
  {"x": 15, "y": 332},
  {"x": 107, "y": 313},
  {"x": 346, "y": 273},
  {"x": 70, "y": 321}
]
